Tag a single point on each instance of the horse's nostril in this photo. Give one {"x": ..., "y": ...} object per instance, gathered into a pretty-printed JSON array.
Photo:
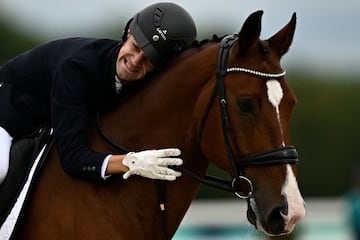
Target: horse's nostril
[
  {"x": 276, "y": 214},
  {"x": 284, "y": 210},
  {"x": 276, "y": 220}
]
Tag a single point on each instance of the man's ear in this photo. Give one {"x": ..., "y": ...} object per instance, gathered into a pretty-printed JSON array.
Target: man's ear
[{"x": 128, "y": 33}]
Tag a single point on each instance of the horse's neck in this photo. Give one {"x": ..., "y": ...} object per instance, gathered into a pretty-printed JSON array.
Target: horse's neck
[{"x": 163, "y": 113}]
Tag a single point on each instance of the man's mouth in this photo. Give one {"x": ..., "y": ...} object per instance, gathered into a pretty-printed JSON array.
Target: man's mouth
[{"x": 130, "y": 66}]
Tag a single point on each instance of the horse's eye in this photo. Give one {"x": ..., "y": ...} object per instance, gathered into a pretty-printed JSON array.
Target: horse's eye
[{"x": 246, "y": 106}]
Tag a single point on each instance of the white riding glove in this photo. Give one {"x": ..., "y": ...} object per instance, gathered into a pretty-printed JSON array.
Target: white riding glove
[{"x": 153, "y": 164}]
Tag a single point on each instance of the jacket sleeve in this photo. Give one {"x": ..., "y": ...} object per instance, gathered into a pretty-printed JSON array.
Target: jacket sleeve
[{"x": 70, "y": 107}]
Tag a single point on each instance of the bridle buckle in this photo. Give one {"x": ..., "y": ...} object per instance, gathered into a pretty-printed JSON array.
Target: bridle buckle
[{"x": 243, "y": 187}]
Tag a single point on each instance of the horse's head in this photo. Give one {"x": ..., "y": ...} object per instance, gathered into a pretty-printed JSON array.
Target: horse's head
[{"x": 255, "y": 104}]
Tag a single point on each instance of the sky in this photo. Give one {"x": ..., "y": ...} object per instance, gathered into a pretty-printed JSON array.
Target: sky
[{"x": 326, "y": 39}]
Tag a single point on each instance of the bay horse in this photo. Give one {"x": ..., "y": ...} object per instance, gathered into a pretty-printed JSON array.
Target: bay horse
[{"x": 223, "y": 102}]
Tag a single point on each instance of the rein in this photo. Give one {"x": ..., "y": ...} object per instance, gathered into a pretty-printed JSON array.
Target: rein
[{"x": 282, "y": 155}]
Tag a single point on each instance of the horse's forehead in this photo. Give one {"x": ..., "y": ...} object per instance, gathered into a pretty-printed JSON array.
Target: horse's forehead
[
  {"x": 260, "y": 57},
  {"x": 274, "y": 92},
  {"x": 264, "y": 47}
]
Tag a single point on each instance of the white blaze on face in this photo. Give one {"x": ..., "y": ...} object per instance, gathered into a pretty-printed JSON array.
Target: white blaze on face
[
  {"x": 290, "y": 189},
  {"x": 296, "y": 204},
  {"x": 275, "y": 94}
]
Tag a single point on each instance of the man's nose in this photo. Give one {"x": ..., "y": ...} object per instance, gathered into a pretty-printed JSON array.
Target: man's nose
[{"x": 139, "y": 57}]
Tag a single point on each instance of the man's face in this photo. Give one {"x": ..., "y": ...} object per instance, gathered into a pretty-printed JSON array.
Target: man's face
[{"x": 132, "y": 63}]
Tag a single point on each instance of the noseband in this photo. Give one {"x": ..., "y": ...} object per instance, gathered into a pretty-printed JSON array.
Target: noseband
[{"x": 282, "y": 155}]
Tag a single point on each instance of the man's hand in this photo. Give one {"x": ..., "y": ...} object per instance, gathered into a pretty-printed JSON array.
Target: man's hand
[{"x": 153, "y": 164}]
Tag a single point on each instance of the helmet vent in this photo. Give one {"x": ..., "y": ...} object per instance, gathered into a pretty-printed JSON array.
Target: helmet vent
[{"x": 158, "y": 13}]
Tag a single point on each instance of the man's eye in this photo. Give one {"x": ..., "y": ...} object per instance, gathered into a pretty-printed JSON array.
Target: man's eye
[{"x": 135, "y": 46}]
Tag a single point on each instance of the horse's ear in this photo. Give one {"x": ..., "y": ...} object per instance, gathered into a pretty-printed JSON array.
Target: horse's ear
[
  {"x": 250, "y": 31},
  {"x": 281, "y": 41}
]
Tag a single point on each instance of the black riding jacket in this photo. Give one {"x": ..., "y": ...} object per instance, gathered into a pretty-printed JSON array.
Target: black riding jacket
[{"x": 62, "y": 83}]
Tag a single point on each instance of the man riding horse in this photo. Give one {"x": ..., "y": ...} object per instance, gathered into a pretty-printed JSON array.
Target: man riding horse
[{"x": 65, "y": 82}]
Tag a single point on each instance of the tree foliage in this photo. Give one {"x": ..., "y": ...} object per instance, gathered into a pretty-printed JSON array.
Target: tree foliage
[{"x": 13, "y": 42}]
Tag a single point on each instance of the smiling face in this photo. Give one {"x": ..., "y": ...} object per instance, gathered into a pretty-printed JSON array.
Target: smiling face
[{"x": 132, "y": 64}]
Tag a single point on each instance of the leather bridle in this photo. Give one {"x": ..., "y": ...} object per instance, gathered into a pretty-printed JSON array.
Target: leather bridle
[{"x": 282, "y": 155}]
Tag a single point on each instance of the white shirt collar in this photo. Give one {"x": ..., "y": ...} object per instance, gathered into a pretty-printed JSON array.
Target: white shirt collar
[{"x": 118, "y": 85}]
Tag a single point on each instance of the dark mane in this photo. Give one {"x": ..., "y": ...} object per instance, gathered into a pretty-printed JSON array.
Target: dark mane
[
  {"x": 215, "y": 39},
  {"x": 198, "y": 46}
]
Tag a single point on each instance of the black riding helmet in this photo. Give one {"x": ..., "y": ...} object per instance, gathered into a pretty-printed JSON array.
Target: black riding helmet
[{"x": 162, "y": 30}]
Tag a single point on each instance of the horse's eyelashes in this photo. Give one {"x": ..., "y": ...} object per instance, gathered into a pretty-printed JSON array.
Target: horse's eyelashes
[{"x": 246, "y": 106}]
